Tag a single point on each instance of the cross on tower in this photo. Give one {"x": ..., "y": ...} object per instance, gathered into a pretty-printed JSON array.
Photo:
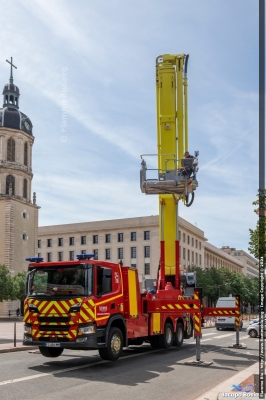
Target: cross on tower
[{"x": 11, "y": 65}]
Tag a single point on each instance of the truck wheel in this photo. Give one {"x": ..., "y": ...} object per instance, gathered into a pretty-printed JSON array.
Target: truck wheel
[
  {"x": 165, "y": 341},
  {"x": 114, "y": 346},
  {"x": 154, "y": 342},
  {"x": 179, "y": 335},
  {"x": 51, "y": 352}
]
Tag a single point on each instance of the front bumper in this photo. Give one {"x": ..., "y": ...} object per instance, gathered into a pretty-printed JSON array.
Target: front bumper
[{"x": 89, "y": 344}]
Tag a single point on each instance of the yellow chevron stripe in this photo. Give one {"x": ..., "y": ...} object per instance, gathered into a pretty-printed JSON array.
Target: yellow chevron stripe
[
  {"x": 178, "y": 306},
  {"x": 186, "y": 306},
  {"x": 197, "y": 319},
  {"x": 170, "y": 306},
  {"x": 92, "y": 303},
  {"x": 163, "y": 307}
]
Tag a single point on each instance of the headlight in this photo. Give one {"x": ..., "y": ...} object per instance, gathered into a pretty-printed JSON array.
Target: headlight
[
  {"x": 86, "y": 330},
  {"x": 27, "y": 329}
]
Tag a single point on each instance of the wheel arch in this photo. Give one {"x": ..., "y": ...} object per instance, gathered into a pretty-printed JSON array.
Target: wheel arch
[{"x": 117, "y": 321}]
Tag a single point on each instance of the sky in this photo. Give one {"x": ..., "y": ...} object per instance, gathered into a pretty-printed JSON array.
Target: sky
[{"x": 86, "y": 74}]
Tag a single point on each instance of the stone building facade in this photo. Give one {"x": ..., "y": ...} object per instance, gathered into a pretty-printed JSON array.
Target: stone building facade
[
  {"x": 135, "y": 241},
  {"x": 18, "y": 213},
  {"x": 250, "y": 264}
]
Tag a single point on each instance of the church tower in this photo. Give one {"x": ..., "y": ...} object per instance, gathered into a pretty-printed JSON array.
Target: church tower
[{"x": 18, "y": 213}]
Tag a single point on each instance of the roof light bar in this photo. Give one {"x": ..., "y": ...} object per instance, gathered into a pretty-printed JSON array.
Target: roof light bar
[
  {"x": 84, "y": 256},
  {"x": 34, "y": 259}
]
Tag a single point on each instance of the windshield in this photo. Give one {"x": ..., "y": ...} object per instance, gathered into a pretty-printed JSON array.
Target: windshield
[{"x": 63, "y": 281}]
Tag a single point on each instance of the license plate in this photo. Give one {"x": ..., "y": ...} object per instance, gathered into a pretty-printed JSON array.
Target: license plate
[
  {"x": 52, "y": 344},
  {"x": 221, "y": 319}
]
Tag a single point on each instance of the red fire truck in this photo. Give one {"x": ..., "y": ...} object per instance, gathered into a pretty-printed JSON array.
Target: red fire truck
[{"x": 90, "y": 304}]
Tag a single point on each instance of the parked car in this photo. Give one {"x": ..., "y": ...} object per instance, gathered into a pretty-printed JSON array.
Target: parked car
[
  {"x": 227, "y": 322},
  {"x": 253, "y": 329}
]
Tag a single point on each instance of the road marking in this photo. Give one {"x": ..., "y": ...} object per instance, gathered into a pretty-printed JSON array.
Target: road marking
[
  {"x": 26, "y": 378},
  {"x": 222, "y": 336},
  {"x": 207, "y": 334},
  {"x": 205, "y": 340}
]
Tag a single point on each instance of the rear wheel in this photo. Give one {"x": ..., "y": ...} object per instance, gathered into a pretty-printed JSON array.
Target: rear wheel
[
  {"x": 179, "y": 335},
  {"x": 253, "y": 333},
  {"x": 114, "y": 346},
  {"x": 51, "y": 352},
  {"x": 165, "y": 340}
]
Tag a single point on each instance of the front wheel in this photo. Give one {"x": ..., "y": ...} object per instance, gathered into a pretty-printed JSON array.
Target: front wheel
[
  {"x": 114, "y": 346},
  {"x": 253, "y": 333},
  {"x": 51, "y": 352},
  {"x": 165, "y": 341},
  {"x": 179, "y": 335}
]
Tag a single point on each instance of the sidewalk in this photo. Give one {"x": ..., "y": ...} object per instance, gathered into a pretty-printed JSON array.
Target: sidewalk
[{"x": 8, "y": 326}]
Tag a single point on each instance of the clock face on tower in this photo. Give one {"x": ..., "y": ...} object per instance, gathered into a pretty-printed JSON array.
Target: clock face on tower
[{"x": 27, "y": 125}]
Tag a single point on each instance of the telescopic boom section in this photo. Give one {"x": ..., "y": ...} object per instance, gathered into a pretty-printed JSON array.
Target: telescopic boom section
[{"x": 172, "y": 138}]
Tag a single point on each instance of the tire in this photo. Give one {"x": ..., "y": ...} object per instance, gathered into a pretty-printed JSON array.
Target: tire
[
  {"x": 165, "y": 341},
  {"x": 253, "y": 333},
  {"x": 154, "y": 342},
  {"x": 179, "y": 335},
  {"x": 51, "y": 352},
  {"x": 114, "y": 345},
  {"x": 217, "y": 328}
]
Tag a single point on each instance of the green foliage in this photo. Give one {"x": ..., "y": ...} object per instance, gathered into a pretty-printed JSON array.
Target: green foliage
[
  {"x": 257, "y": 236},
  {"x": 221, "y": 282},
  {"x": 6, "y": 287},
  {"x": 18, "y": 282}
]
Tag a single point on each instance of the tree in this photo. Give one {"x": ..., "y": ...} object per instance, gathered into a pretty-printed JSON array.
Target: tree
[
  {"x": 18, "y": 283},
  {"x": 257, "y": 236},
  {"x": 6, "y": 287}
]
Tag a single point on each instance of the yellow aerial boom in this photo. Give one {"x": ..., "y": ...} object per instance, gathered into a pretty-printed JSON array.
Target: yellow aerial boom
[{"x": 176, "y": 175}]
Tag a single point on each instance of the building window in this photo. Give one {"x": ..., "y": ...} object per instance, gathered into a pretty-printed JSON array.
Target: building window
[
  {"x": 188, "y": 255},
  {"x": 39, "y": 255},
  {"x": 188, "y": 239},
  {"x": 39, "y": 243},
  {"x": 120, "y": 237},
  {"x": 184, "y": 253},
  {"x": 25, "y": 188},
  {"x": 192, "y": 255},
  {"x": 24, "y": 236},
  {"x": 108, "y": 254},
  {"x": 196, "y": 258},
  {"x": 108, "y": 238},
  {"x": 60, "y": 256},
  {"x": 11, "y": 145},
  {"x": 83, "y": 252},
  {"x": 24, "y": 215},
  {"x": 133, "y": 252},
  {"x": 192, "y": 241},
  {"x": 133, "y": 265},
  {"x": 184, "y": 237},
  {"x": 200, "y": 245},
  {"x": 71, "y": 241},
  {"x": 60, "y": 241},
  {"x": 147, "y": 269},
  {"x": 146, "y": 251},
  {"x": 26, "y": 154},
  {"x": 200, "y": 259},
  {"x": 120, "y": 253},
  {"x": 179, "y": 235},
  {"x": 83, "y": 240},
  {"x": 196, "y": 243},
  {"x": 146, "y": 235},
  {"x": 95, "y": 239},
  {"x": 71, "y": 255},
  {"x": 95, "y": 252},
  {"x": 49, "y": 242},
  {"x": 49, "y": 257},
  {"x": 10, "y": 185},
  {"x": 133, "y": 236}
]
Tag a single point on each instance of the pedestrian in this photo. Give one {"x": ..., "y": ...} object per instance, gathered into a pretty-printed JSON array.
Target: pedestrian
[
  {"x": 185, "y": 170},
  {"x": 17, "y": 312}
]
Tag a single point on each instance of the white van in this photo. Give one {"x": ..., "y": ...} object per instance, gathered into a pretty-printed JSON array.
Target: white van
[{"x": 225, "y": 322}]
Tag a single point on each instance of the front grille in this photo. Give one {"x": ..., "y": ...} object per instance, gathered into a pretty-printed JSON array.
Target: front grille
[
  {"x": 52, "y": 328},
  {"x": 53, "y": 319},
  {"x": 43, "y": 339}
]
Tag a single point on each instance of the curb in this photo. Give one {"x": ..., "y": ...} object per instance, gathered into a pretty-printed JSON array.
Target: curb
[{"x": 14, "y": 349}]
